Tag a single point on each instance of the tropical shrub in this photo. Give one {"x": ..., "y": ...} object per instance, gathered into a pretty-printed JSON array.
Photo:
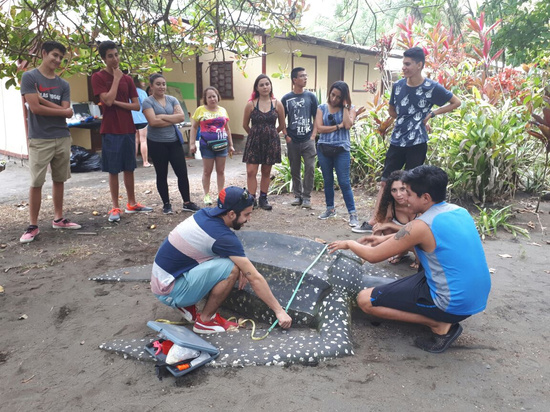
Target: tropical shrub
[
  {"x": 282, "y": 182},
  {"x": 486, "y": 152}
]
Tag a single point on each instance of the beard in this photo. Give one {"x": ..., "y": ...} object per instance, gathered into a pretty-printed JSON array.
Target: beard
[{"x": 235, "y": 224}]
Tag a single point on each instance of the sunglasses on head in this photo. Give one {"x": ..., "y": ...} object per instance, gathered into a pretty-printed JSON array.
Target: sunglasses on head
[
  {"x": 242, "y": 200},
  {"x": 331, "y": 119}
]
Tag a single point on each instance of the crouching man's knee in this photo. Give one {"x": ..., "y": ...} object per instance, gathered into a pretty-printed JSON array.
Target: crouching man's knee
[
  {"x": 234, "y": 274},
  {"x": 364, "y": 300}
]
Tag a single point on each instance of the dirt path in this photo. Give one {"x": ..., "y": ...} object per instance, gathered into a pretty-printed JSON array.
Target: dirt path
[{"x": 51, "y": 361}]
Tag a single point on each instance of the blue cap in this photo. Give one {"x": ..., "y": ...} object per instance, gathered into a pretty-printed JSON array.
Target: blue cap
[{"x": 231, "y": 198}]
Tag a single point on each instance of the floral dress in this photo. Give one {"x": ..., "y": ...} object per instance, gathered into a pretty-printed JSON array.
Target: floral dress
[{"x": 263, "y": 145}]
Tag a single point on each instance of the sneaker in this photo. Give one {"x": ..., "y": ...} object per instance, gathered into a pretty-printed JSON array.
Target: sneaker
[
  {"x": 29, "y": 235},
  {"x": 255, "y": 206},
  {"x": 296, "y": 202},
  {"x": 65, "y": 224},
  {"x": 353, "y": 221},
  {"x": 190, "y": 207},
  {"x": 137, "y": 208},
  {"x": 439, "y": 343},
  {"x": 167, "y": 209},
  {"x": 189, "y": 313},
  {"x": 306, "y": 204},
  {"x": 114, "y": 214},
  {"x": 215, "y": 325},
  {"x": 327, "y": 214},
  {"x": 207, "y": 200},
  {"x": 364, "y": 228},
  {"x": 264, "y": 204}
]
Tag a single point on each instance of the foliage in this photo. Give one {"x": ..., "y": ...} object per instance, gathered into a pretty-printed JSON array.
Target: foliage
[
  {"x": 145, "y": 30},
  {"x": 543, "y": 124},
  {"x": 368, "y": 151},
  {"x": 489, "y": 220},
  {"x": 524, "y": 32},
  {"x": 485, "y": 152},
  {"x": 483, "y": 53},
  {"x": 282, "y": 182}
]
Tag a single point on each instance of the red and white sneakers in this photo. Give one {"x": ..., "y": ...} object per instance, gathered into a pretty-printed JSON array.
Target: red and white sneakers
[
  {"x": 215, "y": 325},
  {"x": 189, "y": 313}
]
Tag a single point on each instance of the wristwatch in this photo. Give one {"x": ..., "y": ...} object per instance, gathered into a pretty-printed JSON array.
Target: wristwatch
[
  {"x": 432, "y": 114},
  {"x": 346, "y": 106}
]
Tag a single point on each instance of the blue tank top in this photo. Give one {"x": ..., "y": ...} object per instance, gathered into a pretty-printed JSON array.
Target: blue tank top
[{"x": 456, "y": 271}]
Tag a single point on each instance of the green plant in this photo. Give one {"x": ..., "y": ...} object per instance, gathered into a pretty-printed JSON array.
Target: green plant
[
  {"x": 543, "y": 123},
  {"x": 486, "y": 149},
  {"x": 282, "y": 182},
  {"x": 489, "y": 220},
  {"x": 368, "y": 151}
]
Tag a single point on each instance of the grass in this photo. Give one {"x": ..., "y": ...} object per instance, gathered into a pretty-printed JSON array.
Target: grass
[{"x": 489, "y": 220}]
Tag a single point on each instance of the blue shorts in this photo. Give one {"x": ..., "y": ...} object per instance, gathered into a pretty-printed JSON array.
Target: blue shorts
[
  {"x": 118, "y": 152},
  {"x": 412, "y": 294},
  {"x": 191, "y": 287},
  {"x": 206, "y": 153}
]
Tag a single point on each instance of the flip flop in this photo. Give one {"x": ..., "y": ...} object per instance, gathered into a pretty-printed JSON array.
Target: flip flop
[
  {"x": 439, "y": 343},
  {"x": 415, "y": 264},
  {"x": 397, "y": 259}
]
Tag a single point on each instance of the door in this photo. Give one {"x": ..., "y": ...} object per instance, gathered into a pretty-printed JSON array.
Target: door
[{"x": 335, "y": 70}]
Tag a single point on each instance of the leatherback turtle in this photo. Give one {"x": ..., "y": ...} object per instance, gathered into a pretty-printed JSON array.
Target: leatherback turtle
[{"x": 321, "y": 310}]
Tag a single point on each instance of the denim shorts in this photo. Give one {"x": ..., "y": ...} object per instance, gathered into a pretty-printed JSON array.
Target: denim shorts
[
  {"x": 206, "y": 153},
  {"x": 192, "y": 286},
  {"x": 118, "y": 152}
]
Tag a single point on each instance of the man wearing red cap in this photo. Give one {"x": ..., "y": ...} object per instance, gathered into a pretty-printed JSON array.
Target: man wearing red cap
[{"x": 202, "y": 255}]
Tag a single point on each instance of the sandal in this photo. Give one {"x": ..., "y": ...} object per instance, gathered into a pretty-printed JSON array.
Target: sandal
[
  {"x": 397, "y": 259},
  {"x": 415, "y": 265}
]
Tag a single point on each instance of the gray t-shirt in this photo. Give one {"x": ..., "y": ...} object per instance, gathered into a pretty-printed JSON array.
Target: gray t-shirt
[
  {"x": 300, "y": 110},
  {"x": 161, "y": 134},
  {"x": 56, "y": 91}
]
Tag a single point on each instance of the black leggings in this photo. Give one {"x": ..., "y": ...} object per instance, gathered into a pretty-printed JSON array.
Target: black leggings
[{"x": 162, "y": 154}]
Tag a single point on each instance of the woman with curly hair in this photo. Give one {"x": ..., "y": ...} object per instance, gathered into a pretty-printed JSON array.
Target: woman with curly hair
[{"x": 394, "y": 212}]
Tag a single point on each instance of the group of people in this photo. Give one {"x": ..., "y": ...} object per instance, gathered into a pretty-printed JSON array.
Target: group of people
[{"x": 202, "y": 257}]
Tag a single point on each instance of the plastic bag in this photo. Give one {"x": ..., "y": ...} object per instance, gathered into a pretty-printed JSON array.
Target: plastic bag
[
  {"x": 178, "y": 353},
  {"x": 84, "y": 161}
]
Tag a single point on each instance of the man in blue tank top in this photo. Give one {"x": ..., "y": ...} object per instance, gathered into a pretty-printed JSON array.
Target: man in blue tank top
[{"x": 450, "y": 287}]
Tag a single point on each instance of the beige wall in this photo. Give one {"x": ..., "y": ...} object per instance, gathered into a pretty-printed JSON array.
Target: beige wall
[
  {"x": 242, "y": 87},
  {"x": 184, "y": 73},
  {"x": 281, "y": 57},
  {"x": 281, "y": 54}
]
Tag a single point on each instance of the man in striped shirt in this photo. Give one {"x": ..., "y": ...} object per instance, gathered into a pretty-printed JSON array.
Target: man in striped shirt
[{"x": 203, "y": 256}]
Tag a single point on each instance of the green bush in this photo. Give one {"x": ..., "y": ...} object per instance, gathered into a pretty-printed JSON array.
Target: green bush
[
  {"x": 282, "y": 182},
  {"x": 368, "y": 152},
  {"x": 485, "y": 153}
]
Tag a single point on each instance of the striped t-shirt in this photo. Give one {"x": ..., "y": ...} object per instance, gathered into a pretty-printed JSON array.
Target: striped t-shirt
[{"x": 197, "y": 239}]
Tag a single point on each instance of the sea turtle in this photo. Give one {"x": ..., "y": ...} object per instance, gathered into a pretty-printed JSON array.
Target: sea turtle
[{"x": 321, "y": 309}]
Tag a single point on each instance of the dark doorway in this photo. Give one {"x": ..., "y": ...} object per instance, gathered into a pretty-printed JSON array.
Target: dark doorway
[{"x": 335, "y": 70}]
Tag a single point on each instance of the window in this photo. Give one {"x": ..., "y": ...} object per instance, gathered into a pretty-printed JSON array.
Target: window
[
  {"x": 360, "y": 76},
  {"x": 221, "y": 77}
]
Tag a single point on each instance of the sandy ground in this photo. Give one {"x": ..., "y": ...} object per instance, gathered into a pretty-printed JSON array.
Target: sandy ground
[{"x": 51, "y": 361}]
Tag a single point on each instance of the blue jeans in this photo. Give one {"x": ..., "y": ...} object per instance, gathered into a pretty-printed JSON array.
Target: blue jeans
[{"x": 339, "y": 163}]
